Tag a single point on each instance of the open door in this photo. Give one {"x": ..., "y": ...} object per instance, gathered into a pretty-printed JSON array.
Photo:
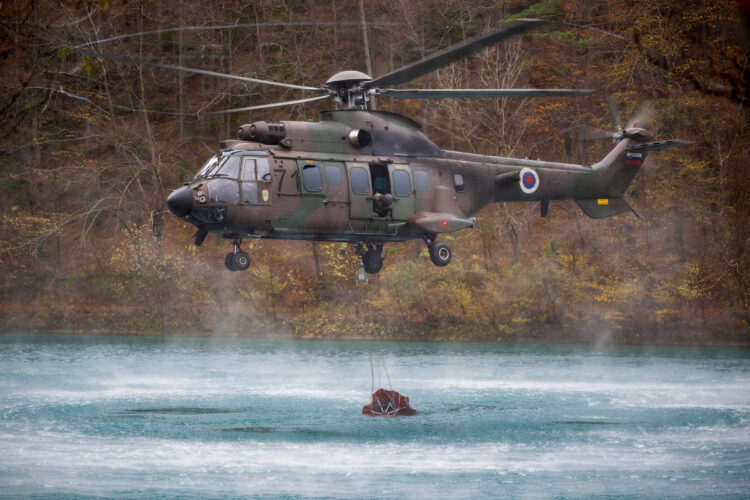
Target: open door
[
  {"x": 402, "y": 190},
  {"x": 360, "y": 190}
]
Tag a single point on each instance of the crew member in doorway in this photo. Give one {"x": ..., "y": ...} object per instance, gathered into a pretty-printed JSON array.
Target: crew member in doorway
[{"x": 382, "y": 204}]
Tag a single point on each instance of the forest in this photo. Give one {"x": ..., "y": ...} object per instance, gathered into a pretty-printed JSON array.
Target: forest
[{"x": 91, "y": 148}]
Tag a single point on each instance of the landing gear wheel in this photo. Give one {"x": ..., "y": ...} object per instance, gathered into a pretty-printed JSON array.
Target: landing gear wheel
[
  {"x": 237, "y": 260},
  {"x": 240, "y": 261},
  {"x": 372, "y": 261},
  {"x": 440, "y": 254},
  {"x": 228, "y": 261}
]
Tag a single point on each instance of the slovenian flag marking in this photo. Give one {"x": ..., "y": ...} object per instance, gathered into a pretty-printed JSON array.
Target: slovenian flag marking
[{"x": 634, "y": 158}]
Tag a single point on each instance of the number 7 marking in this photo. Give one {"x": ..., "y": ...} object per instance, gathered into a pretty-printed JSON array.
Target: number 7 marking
[{"x": 283, "y": 173}]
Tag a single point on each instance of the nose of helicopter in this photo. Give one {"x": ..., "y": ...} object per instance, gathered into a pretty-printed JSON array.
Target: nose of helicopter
[{"x": 180, "y": 202}]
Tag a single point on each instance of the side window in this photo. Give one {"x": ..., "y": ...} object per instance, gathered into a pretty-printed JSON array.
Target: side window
[
  {"x": 360, "y": 180},
  {"x": 421, "y": 180},
  {"x": 401, "y": 183},
  {"x": 223, "y": 191},
  {"x": 264, "y": 171},
  {"x": 458, "y": 183},
  {"x": 311, "y": 178},
  {"x": 230, "y": 168},
  {"x": 333, "y": 175},
  {"x": 248, "y": 169}
]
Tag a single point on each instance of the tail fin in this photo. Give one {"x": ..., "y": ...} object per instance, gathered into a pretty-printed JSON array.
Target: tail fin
[{"x": 619, "y": 167}]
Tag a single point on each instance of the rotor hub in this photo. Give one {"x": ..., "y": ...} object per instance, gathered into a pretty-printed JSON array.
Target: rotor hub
[
  {"x": 347, "y": 88},
  {"x": 348, "y": 77}
]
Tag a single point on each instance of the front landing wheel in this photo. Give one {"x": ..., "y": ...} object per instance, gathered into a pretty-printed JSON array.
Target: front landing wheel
[
  {"x": 440, "y": 254},
  {"x": 240, "y": 261}
]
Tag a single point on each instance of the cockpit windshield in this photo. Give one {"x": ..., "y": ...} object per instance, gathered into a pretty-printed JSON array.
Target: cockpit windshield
[
  {"x": 210, "y": 165},
  {"x": 230, "y": 167},
  {"x": 224, "y": 164}
]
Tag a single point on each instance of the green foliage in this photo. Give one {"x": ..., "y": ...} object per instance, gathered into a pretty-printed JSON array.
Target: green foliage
[
  {"x": 565, "y": 37},
  {"x": 537, "y": 10}
]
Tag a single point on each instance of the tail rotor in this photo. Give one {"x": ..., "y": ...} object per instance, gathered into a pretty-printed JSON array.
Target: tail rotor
[
  {"x": 635, "y": 125},
  {"x": 642, "y": 116}
]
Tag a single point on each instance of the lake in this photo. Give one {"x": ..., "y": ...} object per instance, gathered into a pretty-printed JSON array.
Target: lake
[{"x": 101, "y": 416}]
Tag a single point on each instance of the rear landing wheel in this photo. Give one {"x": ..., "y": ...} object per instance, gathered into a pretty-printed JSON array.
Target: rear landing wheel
[{"x": 440, "y": 254}]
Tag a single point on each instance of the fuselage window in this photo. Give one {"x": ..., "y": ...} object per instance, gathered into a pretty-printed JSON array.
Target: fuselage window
[
  {"x": 223, "y": 191},
  {"x": 264, "y": 171},
  {"x": 458, "y": 182},
  {"x": 401, "y": 183},
  {"x": 421, "y": 180},
  {"x": 311, "y": 178},
  {"x": 360, "y": 180},
  {"x": 248, "y": 170},
  {"x": 333, "y": 175},
  {"x": 230, "y": 168}
]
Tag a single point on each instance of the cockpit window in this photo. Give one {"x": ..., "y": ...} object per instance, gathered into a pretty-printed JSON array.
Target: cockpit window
[
  {"x": 210, "y": 165},
  {"x": 223, "y": 191},
  {"x": 264, "y": 171},
  {"x": 229, "y": 168},
  {"x": 227, "y": 164},
  {"x": 248, "y": 170}
]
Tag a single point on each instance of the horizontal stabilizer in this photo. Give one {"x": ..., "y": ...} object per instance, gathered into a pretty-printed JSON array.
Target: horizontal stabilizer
[
  {"x": 604, "y": 207},
  {"x": 431, "y": 222},
  {"x": 653, "y": 146}
]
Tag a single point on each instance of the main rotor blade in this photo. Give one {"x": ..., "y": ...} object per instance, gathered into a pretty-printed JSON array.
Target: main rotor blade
[
  {"x": 139, "y": 62},
  {"x": 453, "y": 53},
  {"x": 588, "y": 133},
  {"x": 230, "y": 26},
  {"x": 264, "y": 106},
  {"x": 478, "y": 93},
  {"x": 613, "y": 111}
]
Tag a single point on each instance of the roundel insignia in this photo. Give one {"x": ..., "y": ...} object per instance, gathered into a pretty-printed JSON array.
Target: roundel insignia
[
  {"x": 529, "y": 180},
  {"x": 265, "y": 195}
]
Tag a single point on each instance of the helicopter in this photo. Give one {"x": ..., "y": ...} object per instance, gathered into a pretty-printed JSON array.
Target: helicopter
[{"x": 369, "y": 177}]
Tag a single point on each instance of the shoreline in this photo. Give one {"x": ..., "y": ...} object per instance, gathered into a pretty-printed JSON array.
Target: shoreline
[{"x": 318, "y": 337}]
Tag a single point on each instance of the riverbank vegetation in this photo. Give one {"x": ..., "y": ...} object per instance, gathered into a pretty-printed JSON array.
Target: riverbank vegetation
[{"x": 82, "y": 171}]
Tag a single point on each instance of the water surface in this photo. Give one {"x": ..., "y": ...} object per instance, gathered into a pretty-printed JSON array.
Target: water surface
[{"x": 127, "y": 417}]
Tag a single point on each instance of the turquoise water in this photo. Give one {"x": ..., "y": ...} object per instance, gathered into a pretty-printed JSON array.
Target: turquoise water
[{"x": 153, "y": 418}]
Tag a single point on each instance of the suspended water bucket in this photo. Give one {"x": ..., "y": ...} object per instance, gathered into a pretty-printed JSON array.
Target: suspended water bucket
[{"x": 388, "y": 404}]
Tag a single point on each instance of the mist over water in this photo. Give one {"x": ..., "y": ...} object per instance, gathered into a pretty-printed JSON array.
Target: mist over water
[{"x": 124, "y": 416}]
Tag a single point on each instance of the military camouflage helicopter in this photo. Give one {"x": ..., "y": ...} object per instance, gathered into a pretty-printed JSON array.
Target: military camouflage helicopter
[{"x": 371, "y": 177}]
